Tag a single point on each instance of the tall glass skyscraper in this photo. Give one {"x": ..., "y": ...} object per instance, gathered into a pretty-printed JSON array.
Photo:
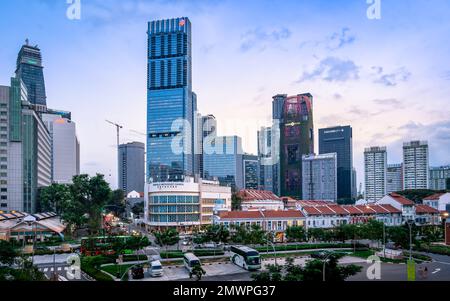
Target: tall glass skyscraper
[
  {"x": 171, "y": 104},
  {"x": 296, "y": 130},
  {"x": 30, "y": 71},
  {"x": 339, "y": 140}
]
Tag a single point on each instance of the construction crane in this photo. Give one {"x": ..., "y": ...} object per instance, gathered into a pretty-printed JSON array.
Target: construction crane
[{"x": 118, "y": 127}]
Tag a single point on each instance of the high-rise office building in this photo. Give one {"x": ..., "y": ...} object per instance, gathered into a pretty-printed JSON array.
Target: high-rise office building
[
  {"x": 251, "y": 171},
  {"x": 208, "y": 132},
  {"x": 25, "y": 150},
  {"x": 440, "y": 178},
  {"x": 29, "y": 69},
  {"x": 375, "y": 167},
  {"x": 294, "y": 118},
  {"x": 416, "y": 169},
  {"x": 65, "y": 146},
  {"x": 131, "y": 167},
  {"x": 265, "y": 158},
  {"x": 223, "y": 161},
  {"x": 319, "y": 177},
  {"x": 170, "y": 101},
  {"x": 339, "y": 140},
  {"x": 394, "y": 178},
  {"x": 354, "y": 184}
]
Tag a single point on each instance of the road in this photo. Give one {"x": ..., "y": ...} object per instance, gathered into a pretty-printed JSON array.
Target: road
[{"x": 57, "y": 264}]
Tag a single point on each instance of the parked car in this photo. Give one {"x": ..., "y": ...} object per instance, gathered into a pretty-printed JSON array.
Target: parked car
[
  {"x": 137, "y": 272},
  {"x": 320, "y": 254},
  {"x": 156, "y": 269}
]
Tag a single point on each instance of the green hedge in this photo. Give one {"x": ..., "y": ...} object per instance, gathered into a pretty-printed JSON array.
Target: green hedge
[
  {"x": 279, "y": 248},
  {"x": 200, "y": 252},
  {"x": 442, "y": 250},
  {"x": 91, "y": 266}
]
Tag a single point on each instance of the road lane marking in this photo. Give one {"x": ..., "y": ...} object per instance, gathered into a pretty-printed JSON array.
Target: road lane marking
[
  {"x": 45, "y": 270},
  {"x": 436, "y": 271},
  {"x": 59, "y": 269},
  {"x": 62, "y": 278}
]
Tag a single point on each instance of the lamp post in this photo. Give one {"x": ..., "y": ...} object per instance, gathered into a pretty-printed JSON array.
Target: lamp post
[
  {"x": 324, "y": 264},
  {"x": 444, "y": 220},
  {"x": 31, "y": 220},
  {"x": 273, "y": 247},
  {"x": 409, "y": 222}
]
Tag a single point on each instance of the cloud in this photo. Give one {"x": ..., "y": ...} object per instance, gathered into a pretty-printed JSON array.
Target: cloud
[
  {"x": 389, "y": 102},
  {"x": 337, "y": 96},
  {"x": 334, "y": 41},
  {"x": 332, "y": 69},
  {"x": 260, "y": 39},
  {"x": 390, "y": 79},
  {"x": 339, "y": 39},
  {"x": 437, "y": 134}
]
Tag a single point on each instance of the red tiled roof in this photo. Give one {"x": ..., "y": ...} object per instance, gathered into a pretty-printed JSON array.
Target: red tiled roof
[
  {"x": 310, "y": 210},
  {"x": 352, "y": 209},
  {"x": 254, "y": 195},
  {"x": 423, "y": 209},
  {"x": 261, "y": 214},
  {"x": 401, "y": 199},
  {"x": 338, "y": 209},
  {"x": 383, "y": 208},
  {"x": 366, "y": 209},
  {"x": 434, "y": 197},
  {"x": 314, "y": 203}
]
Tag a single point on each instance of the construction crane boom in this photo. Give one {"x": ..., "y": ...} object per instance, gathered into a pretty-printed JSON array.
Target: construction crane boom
[{"x": 118, "y": 128}]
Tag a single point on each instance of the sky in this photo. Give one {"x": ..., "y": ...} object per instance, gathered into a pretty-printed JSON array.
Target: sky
[{"x": 388, "y": 78}]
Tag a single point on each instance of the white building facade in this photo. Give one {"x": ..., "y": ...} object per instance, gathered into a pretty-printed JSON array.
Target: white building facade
[
  {"x": 416, "y": 165},
  {"x": 319, "y": 177},
  {"x": 375, "y": 168}
]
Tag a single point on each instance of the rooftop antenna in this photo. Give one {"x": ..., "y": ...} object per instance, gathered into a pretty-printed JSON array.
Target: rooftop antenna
[{"x": 27, "y": 42}]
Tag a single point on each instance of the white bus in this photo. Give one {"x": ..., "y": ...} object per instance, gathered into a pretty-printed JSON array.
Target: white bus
[
  {"x": 245, "y": 257},
  {"x": 190, "y": 261}
]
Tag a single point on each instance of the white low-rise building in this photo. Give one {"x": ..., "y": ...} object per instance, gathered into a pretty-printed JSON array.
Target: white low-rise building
[
  {"x": 184, "y": 205},
  {"x": 401, "y": 203},
  {"x": 438, "y": 201},
  {"x": 254, "y": 200}
]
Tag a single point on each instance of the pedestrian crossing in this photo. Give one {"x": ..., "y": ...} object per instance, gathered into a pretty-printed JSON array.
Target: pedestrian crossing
[{"x": 52, "y": 269}]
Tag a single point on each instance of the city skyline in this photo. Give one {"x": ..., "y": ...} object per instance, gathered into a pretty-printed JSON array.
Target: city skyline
[{"x": 380, "y": 94}]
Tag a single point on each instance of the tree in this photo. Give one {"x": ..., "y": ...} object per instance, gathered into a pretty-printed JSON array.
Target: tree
[
  {"x": 54, "y": 197},
  {"x": 372, "y": 230},
  {"x": 7, "y": 253},
  {"x": 90, "y": 195},
  {"x": 399, "y": 235},
  {"x": 198, "y": 272},
  {"x": 245, "y": 234},
  {"x": 212, "y": 233},
  {"x": 316, "y": 234},
  {"x": 296, "y": 233},
  {"x": 313, "y": 270},
  {"x": 167, "y": 238},
  {"x": 236, "y": 201},
  {"x": 116, "y": 203},
  {"x": 273, "y": 274},
  {"x": 138, "y": 209}
]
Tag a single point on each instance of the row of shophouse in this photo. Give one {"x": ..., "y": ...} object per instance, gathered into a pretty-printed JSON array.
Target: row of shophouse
[{"x": 276, "y": 214}]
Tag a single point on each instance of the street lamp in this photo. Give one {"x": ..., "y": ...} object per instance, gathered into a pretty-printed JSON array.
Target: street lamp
[
  {"x": 409, "y": 223},
  {"x": 30, "y": 220},
  {"x": 324, "y": 264},
  {"x": 273, "y": 247}
]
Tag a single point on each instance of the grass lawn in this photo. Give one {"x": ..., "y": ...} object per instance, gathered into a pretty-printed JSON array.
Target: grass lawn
[{"x": 112, "y": 269}]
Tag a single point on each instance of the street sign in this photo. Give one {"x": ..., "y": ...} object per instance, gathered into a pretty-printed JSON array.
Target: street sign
[{"x": 411, "y": 270}]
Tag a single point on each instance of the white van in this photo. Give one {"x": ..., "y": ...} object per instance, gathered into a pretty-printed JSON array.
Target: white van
[
  {"x": 190, "y": 261},
  {"x": 156, "y": 269}
]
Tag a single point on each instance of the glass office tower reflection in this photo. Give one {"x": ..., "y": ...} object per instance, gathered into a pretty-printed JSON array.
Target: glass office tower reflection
[
  {"x": 169, "y": 99},
  {"x": 30, "y": 71}
]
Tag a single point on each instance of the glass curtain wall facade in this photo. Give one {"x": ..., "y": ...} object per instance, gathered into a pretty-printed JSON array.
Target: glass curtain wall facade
[
  {"x": 339, "y": 140},
  {"x": 223, "y": 161},
  {"x": 170, "y": 101},
  {"x": 30, "y": 71}
]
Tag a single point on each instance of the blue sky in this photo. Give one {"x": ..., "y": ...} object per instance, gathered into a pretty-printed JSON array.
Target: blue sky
[{"x": 388, "y": 78}]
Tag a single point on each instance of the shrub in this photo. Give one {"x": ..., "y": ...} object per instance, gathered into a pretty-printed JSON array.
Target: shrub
[{"x": 91, "y": 266}]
